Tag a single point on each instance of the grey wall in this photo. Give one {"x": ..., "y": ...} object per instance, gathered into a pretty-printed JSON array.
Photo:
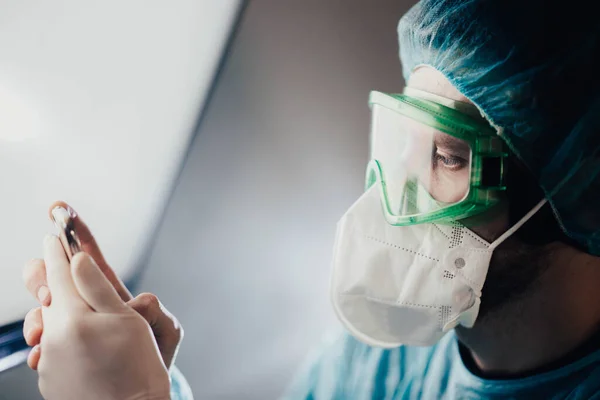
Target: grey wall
[{"x": 243, "y": 256}]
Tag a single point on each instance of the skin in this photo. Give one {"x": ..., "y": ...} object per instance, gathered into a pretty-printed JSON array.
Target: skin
[
  {"x": 539, "y": 303},
  {"x": 94, "y": 345},
  {"x": 167, "y": 330}
]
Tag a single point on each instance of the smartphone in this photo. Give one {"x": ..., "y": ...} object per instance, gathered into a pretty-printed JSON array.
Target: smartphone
[{"x": 66, "y": 231}]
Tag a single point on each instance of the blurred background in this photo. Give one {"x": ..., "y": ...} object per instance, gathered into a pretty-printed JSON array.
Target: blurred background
[{"x": 211, "y": 146}]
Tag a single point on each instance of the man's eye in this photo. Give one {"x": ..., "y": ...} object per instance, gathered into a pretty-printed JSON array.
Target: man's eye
[{"x": 449, "y": 161}]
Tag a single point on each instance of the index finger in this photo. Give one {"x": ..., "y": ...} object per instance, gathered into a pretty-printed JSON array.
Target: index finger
[
  {"x": 89, "y": 245},
  {"x": 58, "y": 274}
]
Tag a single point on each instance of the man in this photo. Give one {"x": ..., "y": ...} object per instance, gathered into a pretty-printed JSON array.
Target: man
[
  {"x": 408, "y": 269},
  {"x": 469, "y": 267}
]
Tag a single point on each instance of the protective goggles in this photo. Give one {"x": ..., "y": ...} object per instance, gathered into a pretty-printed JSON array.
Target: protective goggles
[{"x": 437, "y": 159}]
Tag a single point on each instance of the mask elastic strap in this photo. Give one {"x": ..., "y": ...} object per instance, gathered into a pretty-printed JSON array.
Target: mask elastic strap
[{"x": 516, "y": 226}]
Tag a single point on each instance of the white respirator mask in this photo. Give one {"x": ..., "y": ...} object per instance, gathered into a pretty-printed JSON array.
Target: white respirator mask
[{"x": 406, "y": 285}]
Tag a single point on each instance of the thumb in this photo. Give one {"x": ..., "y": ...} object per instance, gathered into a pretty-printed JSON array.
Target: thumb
[{"x": 93, "y": 286}]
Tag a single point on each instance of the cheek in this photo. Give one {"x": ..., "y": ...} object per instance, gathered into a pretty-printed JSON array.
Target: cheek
[
  {"x": 491, "y": 224},
  {"x": 449, "y": 188}
]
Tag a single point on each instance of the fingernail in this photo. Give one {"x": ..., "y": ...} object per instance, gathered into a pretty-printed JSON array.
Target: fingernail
[
  {"x": 60, "y": 215},
  {"x": 28, "y": 333},
  {"x": 43, "y": 294}
]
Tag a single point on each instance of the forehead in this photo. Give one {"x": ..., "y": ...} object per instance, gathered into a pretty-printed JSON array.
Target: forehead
[{"x": 431, "y": 80}]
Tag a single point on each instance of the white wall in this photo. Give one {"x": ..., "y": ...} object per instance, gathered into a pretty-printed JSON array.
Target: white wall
[{"x": 97, "y": 103}]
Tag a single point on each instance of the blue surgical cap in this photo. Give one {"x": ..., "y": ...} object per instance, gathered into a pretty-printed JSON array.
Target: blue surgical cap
[{"x": 533, "y": 70}]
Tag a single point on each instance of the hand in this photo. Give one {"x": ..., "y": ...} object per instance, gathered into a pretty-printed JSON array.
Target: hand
[
  {"x": 167, "y": 330},
  {"x": 94, "y": 345}
]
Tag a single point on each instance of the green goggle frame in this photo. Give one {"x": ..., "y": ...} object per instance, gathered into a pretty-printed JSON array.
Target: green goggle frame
[{"x": 460, "y": 120}]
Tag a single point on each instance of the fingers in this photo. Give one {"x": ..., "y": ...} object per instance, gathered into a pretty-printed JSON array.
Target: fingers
[
  {"x": 93, "y": 286},
  {"x": 89, "y": 245},
  {"x": 166, "y": 328},
  {"x": 33, "y": 359},
  {"x": 32, "y": 331},
  {"x": 34, "y": 276},
  {"x": 149, "y": 307},
  {"x": 58, "y": 274},
  {"x": 33, "y": 326}
]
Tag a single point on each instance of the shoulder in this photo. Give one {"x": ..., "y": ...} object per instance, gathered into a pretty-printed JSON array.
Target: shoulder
[{"x": 343, "y": 366}]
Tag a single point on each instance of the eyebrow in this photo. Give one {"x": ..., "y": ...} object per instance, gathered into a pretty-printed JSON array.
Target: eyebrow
[{"x": 451, "y": 143}]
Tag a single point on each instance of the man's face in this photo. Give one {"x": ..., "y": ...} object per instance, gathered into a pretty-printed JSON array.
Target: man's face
[{"x": 515, "y": 265}]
